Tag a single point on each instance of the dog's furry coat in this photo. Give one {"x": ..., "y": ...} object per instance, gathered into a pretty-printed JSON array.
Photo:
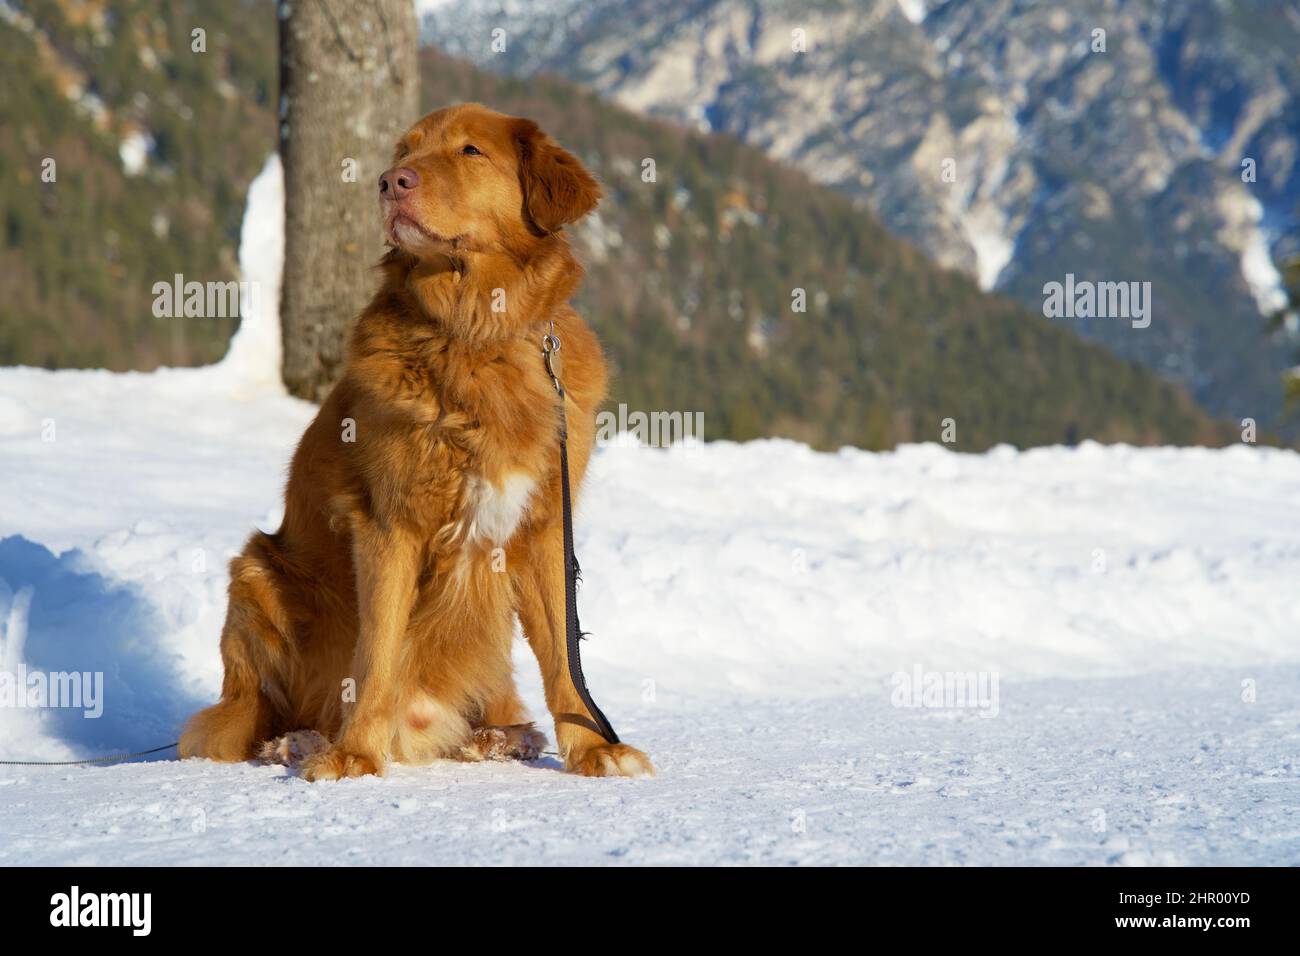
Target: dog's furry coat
[{"x": 422, "y": 511}]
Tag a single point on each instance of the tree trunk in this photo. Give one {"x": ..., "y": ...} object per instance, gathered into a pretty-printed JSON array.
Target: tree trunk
[{"x": 348, "y": 89}]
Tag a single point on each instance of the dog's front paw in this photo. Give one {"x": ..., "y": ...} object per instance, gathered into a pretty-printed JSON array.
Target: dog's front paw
[
  {"x": 610, "y": 760},
  {"x": 337, "y": 763}
]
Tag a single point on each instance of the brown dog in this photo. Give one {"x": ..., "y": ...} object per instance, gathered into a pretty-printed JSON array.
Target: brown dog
[{"x": 423, "y": 506}]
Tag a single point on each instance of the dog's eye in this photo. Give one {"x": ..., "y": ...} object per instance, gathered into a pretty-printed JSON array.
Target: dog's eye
[{"x": 471, "y": 150}]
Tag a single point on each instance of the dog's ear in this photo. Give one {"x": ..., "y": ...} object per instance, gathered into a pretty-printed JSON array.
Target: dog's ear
[{"x": 557, "y": 188}]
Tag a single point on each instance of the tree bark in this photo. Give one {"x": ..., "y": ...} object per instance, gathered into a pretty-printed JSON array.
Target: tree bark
[{"x": 348, "y": 89}]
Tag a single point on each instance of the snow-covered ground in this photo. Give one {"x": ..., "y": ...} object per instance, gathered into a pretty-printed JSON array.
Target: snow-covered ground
[{"x": 759, "y": 614}]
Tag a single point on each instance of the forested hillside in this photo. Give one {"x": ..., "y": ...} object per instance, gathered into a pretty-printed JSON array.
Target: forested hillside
[
  {"x": 726, "y": 283},
  {"x": 154, "y": 145}
]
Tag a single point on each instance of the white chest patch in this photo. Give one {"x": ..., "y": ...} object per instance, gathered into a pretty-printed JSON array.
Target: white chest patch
[{"x": 494, "y": 513}]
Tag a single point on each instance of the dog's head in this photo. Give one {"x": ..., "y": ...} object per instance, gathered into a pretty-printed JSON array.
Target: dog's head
[{"x": 466, "y": 179}]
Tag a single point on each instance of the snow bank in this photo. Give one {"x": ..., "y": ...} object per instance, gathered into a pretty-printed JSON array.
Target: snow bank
[
  {"x": 254, "y": 357},
  {"x": 759, "y": 570}
]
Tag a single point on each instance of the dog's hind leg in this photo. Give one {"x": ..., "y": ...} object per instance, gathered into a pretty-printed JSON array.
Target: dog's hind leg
[
  {"x": 293, "y": 747},
  {"x": 256, "y": 652},
  {"x": 504, "y": 732},
  {"x": 504, "y": 742}
]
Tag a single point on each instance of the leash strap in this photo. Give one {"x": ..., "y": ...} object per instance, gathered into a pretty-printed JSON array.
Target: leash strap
[
  {"x": 112, "y": 758},
  {"x": 572, "y": 572}
]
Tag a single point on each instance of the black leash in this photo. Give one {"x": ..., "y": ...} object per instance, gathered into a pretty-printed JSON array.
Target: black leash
[
  {"x": 113, "y": 758},
  {"x": 572, "y": 573}
]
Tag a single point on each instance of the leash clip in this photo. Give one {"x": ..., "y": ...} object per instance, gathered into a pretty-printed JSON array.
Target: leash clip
[{"x": 551, "y": 345}]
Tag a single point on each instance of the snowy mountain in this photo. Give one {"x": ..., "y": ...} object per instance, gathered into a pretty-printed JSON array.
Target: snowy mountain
[
  {"x": 766, "y": 621},
  {"x": 1152, "y": 140}
]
